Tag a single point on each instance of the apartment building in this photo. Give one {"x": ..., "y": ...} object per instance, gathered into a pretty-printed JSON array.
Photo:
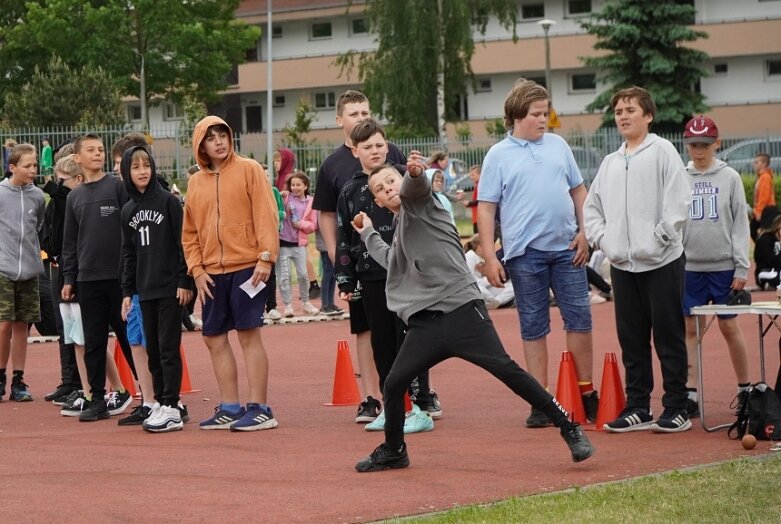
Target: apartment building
[{"x": 743, "y": 88}]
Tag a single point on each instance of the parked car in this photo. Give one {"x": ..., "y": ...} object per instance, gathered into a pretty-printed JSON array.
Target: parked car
[{"x": 740, "y": 156}]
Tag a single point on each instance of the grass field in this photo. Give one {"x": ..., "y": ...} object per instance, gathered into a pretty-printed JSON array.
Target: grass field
[{"x": 739, "y": 491}]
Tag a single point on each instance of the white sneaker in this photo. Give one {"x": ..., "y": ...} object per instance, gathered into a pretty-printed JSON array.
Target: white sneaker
[
  {"x": 273, "y": 314},
  {"x": 289, "y": 312},
  {"x": 768, "y": 274},
  {"x": 197, "y": 322},
  {"x": 165, "y": 418},
  {"x": 309, "y": 309},
  {"x": 596, "y": 299}
]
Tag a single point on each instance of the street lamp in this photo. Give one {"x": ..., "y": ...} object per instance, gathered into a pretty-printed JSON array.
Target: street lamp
[{"x": 546, "y": 24}]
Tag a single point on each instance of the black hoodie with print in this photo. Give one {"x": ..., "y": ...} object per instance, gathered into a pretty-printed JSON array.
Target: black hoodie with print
[{"x": 152, "y": 258}]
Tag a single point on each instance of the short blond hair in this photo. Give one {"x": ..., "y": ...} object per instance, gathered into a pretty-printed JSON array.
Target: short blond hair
[{"x": 67, "y": 165}]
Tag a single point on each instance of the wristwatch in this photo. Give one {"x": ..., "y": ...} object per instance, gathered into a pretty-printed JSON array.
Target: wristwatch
[{"x": 265, "y": 256}]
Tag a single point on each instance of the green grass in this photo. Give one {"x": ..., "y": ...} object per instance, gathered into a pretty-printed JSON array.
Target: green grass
[{"x": 740, "y": 491}]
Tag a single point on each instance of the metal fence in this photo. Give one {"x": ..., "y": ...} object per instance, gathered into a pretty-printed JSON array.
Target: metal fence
[{"x": 173, "y": 147}]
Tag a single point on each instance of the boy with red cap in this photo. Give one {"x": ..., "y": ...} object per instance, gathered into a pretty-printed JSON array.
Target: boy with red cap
[{"x": 716, "y": 246}]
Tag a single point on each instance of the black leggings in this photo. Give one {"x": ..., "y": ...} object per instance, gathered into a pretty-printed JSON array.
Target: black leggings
[
  {"x": 467, "y": 333},
  {"x": 163, "y": 337}
]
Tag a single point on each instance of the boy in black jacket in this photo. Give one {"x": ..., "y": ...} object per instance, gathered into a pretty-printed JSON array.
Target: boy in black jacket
[{"x": 154, "y": 267}]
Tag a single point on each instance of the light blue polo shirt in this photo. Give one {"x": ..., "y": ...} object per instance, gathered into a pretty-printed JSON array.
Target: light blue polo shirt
[{"x": 530, "y": 181}]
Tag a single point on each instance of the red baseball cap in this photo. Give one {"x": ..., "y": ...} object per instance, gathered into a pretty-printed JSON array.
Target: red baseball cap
[{"x": 700, "y": 130}]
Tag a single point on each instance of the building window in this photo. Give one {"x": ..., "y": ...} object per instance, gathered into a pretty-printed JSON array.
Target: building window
[
  {"x": 276, "y": 31},
  {"x": 358, "y": 26},
  {"x": 483, "y": 85},
  {"x": 583, "y": 82},
  {"x": 529, "y": 11},
  {"x": 134, "y": 113},
  {"x": 578, "y": 7},
  {"x": 251, "y": 55},
  {"x": 173, "y": 111},
  {"x": 774, "y": 68},
  {"x": 319, "y": 30},
  {"x": 719, "y": 69},
  {"x": 254, "y": 119},
  {"x": 325, "y": 100},
  {"x": 279, "y": 100}
]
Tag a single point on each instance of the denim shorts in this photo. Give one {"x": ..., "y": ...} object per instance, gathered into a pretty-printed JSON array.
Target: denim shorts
[
  {"x": 532, "y": 275},
  {"x": 135, "y": 324},
  {"x": 232, "y": 308},
  {"x": 707, "y": 287}
]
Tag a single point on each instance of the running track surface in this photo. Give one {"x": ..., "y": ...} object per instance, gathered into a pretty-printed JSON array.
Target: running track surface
[{"x": 55, "y": 468}]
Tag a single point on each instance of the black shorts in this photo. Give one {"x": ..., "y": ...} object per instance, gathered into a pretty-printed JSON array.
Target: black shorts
[{"x": 358, "y": 322}]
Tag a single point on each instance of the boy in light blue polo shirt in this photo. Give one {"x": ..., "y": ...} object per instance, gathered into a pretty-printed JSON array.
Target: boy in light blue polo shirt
[{"x": 532, "y": 176}]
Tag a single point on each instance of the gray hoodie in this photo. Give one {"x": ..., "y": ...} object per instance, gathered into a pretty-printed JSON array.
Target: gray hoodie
[
  {"x": 717, "y": 235},
  {"x": 638, "y": 205},
  {"x": 426, "y": 263},
  {"x": 21, "y": 217}
]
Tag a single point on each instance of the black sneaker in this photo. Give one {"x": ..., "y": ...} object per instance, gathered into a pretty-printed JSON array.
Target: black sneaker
[
  {"x": 96, "y": 410},
  {"x": 537, "y": 419},
  {"x": 692, "y": 408},
  {"x": 20, "y": 392},
  {"x": 368, "y": 410},
  {"x": 136, "y": 417},
  {"x": 578, "y": 443},
  {"x": 117, "y": 402},
  {"x": 187, "y": 323},
  {"x": 631, "y": 419},
  {"x": 382, "y": 458},
  {"x": 183, "y": 412},
  {"x": 314, "y": 290},
  {"x": 60, "y": 401},
  {"x": 73, "y": 405},
  {"x": 2, "y": 388},
  {"x": 738, "y": 401},
  {"x": 61, "y": 391},
  {"x": 673, "y": 420},
  {"x": 430, "y": 404},
  {"x": 591, "y": 405}
]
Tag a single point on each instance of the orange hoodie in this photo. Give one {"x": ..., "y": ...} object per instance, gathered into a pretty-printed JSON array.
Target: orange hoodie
[
  {"x": 230, "y": 216},
  {"x": 764, "y": 192}
]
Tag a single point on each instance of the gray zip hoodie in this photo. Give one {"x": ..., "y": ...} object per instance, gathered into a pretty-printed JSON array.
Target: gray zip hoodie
[
  {"x": 21, "y": 217},
  {"x": 717, "y": 235},
  {"x": 638, "y": 205}
]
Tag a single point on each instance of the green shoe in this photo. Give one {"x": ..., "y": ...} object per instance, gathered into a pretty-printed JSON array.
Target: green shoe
[
  {"x": 418, "y": 421},
  {"x": 377, "y": 424}
]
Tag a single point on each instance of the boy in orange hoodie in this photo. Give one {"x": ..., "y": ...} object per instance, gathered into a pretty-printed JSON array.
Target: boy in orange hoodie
[
  {"x": 230, "y": 237},
  {"x": 764, "y": 191}
]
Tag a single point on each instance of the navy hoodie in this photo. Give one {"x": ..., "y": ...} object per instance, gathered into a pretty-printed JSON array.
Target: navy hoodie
[{"x": 152, "y": 258}]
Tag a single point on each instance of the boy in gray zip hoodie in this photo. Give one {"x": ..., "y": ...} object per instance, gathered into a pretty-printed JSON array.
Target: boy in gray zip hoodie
[
  {"x": 432, "y": 290},
  {"x": 716, "y": 246},
  {"x": 635, "y": 213},
  {"x": 23, "y": 206}
]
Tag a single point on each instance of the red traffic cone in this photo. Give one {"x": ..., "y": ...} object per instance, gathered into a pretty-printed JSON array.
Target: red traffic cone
[
  {"x": 567, "y": 390},
  {"x": 407, "y": 403},
  {"x": 125, "y": 374},
  {"x": 186, "y": 386},
  {"x": 611, "y": 392},
  {"x": 345, "y": 391}
]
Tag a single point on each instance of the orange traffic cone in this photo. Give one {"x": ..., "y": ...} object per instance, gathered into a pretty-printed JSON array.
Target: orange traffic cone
[
  {"x": 186, "y": 386},
  {"x": 125, "y": 374},
  {"x": 611, "y": 392},
  {"x": 567, "y": 390},
  {"x": 345, "y": 391}
]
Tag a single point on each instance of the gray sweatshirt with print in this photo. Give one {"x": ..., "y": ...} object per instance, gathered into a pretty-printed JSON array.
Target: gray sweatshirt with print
[
  {"x": 21, "y": 217},
  {"x": 426, "y": 265},
  {"x": 717, "y": 235},
  {"x": 638, "y": 205}
]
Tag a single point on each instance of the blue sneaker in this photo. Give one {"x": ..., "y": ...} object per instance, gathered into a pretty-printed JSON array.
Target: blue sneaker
[
  {"x": 255, "y": 418},
  {"x": 418, "y": 421},
  {"x": 222, "y": 419},
  {"x": 20, "y": 392},
  {"x": 378, "y": 424}
]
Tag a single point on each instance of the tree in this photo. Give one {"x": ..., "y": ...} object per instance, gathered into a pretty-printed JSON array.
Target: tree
[
  {"x": 295, "y": 132},
  {"x": 60, "y": 96},
  {"x": 646, "y": 48},
  {"x": 424, "y": 46},
  {"x": 172, "y": 49}
]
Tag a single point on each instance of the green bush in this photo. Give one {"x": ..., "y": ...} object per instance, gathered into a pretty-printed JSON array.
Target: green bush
[{"x": 748, "y": 185}]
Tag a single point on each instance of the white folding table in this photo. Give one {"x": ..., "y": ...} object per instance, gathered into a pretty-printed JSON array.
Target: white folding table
[{"x": 763, "y": 310}]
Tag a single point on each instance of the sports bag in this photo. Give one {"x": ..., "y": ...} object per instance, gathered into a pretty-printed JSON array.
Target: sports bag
[{"x": 760, "y": 414}]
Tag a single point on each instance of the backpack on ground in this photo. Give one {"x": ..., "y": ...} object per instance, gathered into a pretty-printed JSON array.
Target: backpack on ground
[{"x": 760, "y": 415}]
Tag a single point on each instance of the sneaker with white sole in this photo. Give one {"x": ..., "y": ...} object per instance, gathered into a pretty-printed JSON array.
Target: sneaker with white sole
[
  {"x": 273, "y": 314},
  {"x": 418, "y": 421},
  {"x": 197, "y": 322},
  {"x": 118, "y": 402},
  {"x": 378, "y": 424},
  {"x": 74, "y": 407},
  {"x": 309, "y": 309},
  {"x": 289, "y": 313},
  {"x": 255, "y": 418},
  {"x": 368, "y": 411},
  {"x": 673, "y": 420},
  {"x": 221, "y": 419},
  {"x": 631, "y": 419},
  {"x": 164, "y": 419}
]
